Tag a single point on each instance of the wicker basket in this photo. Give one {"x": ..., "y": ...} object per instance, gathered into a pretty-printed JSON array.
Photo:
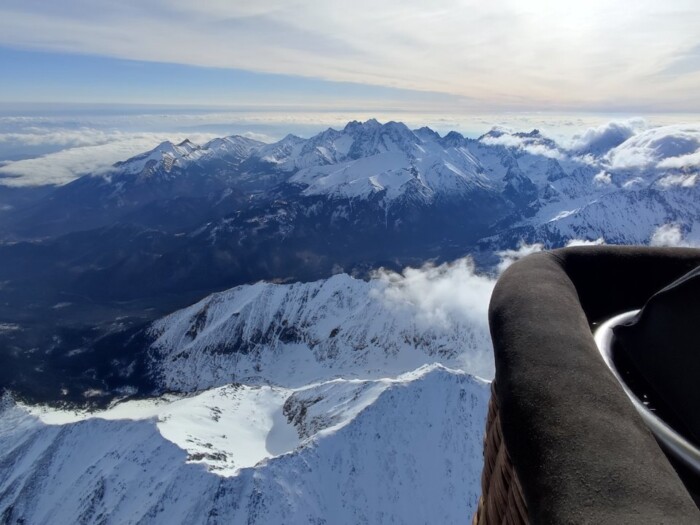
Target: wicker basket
[{"x": 501, "y": 500}]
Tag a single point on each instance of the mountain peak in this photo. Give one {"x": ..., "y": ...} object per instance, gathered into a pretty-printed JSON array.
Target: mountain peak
[
  {"x": 290, "y": 137},
  {"x": 453, "y": 140},
  {"x": 535, "y": 133},
  {"x": 495, "y": 132},
  {"x": 426, "y": 133},
  {"x": 354, "y": 125},
  {"x": 166, "y": 145}
]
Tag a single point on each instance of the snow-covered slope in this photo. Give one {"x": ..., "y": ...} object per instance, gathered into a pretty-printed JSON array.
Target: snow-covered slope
[
  {"x": 400, "y": 451},
  {"x": 294, "y": 334}
]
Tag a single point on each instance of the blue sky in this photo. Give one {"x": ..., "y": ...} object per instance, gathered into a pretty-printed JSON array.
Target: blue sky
[
  {"x": 565, "y": 55},
  {"x": 49, "y": 77}
]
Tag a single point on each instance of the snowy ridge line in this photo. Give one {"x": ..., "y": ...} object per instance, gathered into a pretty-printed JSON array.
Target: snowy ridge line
[
  {"x": 168, "y": 155},
  {"x": 291, "y": 335}
]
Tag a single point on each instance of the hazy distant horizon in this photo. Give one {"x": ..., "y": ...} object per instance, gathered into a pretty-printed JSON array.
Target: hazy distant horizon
[{"x": 55, "y": 143}]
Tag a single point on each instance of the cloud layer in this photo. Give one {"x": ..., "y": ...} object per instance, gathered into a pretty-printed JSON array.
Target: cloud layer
[{"x": 535, "y": 54}]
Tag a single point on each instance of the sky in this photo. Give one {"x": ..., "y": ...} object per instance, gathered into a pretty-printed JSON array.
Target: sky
[{"x": 467, "y": 56}]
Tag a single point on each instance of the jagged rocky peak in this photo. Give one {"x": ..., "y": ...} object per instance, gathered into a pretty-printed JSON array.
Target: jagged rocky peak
[
  {"x": 281, "y": 151},
  {"x": 427, "y": 134},
  {"x": 535, "y": 133},
  {"x": 372, "y": 138},
  {"x": 166, "y": 152},
  {"x": 355, "y": 125},
  {"x": 233, "y": 148},
  {"x": 453, "y": 140},
  {"x": 495, "y": 132}
]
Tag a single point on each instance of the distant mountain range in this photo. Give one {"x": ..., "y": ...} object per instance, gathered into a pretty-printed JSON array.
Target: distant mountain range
[{"x": 188, "y": 217}]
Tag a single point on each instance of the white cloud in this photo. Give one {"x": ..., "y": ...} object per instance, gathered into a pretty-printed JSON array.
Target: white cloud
[
  {"x": 444, "y": 297},
  {"x": 602, "y": 179},
  {"x": 635, "y": 181},
  {"x": 536, "y": 53},
  {"x": 526, "y": 144},
  {"x": 585, "y": 242},
  {"x": 544, "y": 151},
  {"x": 506, "y": 139},
  {"x": 660, "y": 147},
  {"x": 601, "y": 139},
  {"x": 439, "y": 294},
  {"x": 449, "y": 295},
  {"x": 669, "y": 235},
  {"x": 508, "y": 257},
  {"x": 683, "y": 180},
  {"x": 691, "y": 160},
  {"x": 40, "y": 136}
]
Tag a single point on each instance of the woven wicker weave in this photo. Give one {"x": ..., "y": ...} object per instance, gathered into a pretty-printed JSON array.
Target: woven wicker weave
[{"x": 501, "y": 500}]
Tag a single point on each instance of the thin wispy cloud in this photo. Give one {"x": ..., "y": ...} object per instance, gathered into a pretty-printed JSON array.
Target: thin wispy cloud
[{"x": 536, "y": 54}]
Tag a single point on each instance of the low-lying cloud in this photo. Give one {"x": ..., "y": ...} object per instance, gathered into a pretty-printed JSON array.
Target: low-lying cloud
[
  {"x": 508, "y": 257},
  {"x": 523, "y": 143},
  {"x": 665, "y": 147},
  {"x": 601, "y": 139},
  {"x": 585, "y": 242},
  {"x": 445, "y": 297},
  {"x": 440, "y": 293},
  {"x": 671, "y": 235},
  {"x": 602, "y": 179}
]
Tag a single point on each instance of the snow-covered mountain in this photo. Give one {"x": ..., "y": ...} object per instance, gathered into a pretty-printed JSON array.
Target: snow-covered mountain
[
  {"x": 167, "y": 156},
  {"x": 624, "y": 185},
  {"x": 301, "y": 333},
  {"x": 406, "y": 450}
]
